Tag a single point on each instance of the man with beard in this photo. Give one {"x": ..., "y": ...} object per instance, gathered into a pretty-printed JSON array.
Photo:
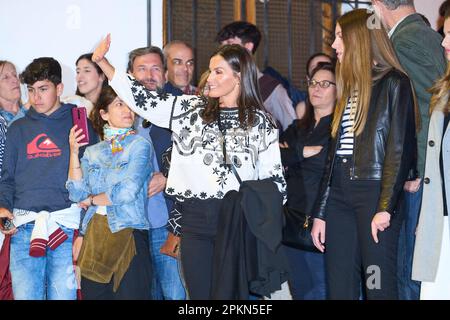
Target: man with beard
[{"x": 148, "y": 67}]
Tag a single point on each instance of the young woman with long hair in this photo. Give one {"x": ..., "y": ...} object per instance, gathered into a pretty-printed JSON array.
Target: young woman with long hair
[
  {"x": 372, "y": 152},
  {"x": 90, "y": 82}
]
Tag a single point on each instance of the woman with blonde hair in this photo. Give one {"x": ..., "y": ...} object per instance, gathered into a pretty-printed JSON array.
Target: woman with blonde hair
[
  {"x": 11, "y": 107},
  {"x": 372, "y": 152},
  {"x": 431, "y": 260}
]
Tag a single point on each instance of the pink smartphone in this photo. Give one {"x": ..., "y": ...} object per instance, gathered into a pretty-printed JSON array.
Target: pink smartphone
[{"x": 79, "y": 118}]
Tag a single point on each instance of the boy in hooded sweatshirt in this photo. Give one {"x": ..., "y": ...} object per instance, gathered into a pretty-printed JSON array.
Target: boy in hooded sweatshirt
[{"x": 33, "y": 193}]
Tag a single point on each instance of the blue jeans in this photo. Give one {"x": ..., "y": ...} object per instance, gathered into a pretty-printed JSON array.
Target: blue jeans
[
  {"x": 408, "y": 289},
  {"x": 166, "y": 281},
  {"x": 307, "y": 274},
  {"x": 49, "y": 277}
]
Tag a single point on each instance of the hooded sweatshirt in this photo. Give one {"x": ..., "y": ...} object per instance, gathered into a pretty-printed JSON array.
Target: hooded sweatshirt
[{"x": 36, "y": 161}]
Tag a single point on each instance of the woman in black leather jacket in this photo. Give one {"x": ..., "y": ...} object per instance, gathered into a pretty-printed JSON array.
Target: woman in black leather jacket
[{"x": 372, "y": 150}]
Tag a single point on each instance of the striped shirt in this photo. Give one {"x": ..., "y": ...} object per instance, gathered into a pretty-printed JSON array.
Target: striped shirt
[{"x": 346, "y": 139}]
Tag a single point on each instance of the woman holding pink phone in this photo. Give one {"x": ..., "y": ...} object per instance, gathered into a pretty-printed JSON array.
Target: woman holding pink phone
[{"x": 110, "y": 183}]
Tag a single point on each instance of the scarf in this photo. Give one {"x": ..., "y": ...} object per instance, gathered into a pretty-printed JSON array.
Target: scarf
[{"x": 115, "y": 136}]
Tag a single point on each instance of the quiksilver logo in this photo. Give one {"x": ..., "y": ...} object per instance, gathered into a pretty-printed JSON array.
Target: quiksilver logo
[{"x": 42, "y": 147}]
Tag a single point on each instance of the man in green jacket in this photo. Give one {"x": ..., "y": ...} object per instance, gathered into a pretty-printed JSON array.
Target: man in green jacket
[{"x": 419, "y": 50}]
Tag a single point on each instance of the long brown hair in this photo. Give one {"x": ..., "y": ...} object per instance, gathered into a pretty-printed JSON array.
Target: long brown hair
[
  {"x": 356, "y": 73},
  {"x": 440, "y": 90},
  {"x": 88, "y": 58},
  {"x": 249, "y": 100},
  {"x": 106, "y": 97}
]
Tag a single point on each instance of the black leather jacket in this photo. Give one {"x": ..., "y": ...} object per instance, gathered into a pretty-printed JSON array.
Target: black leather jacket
[{"x": 386, "y": 148}]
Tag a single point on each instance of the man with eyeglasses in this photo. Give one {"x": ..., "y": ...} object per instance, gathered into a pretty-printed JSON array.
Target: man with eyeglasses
[{"x": 180, "y": 66}]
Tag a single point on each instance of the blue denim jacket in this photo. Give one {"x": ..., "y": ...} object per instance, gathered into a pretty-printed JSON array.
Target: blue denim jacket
[{"x": 122, "y": 176}]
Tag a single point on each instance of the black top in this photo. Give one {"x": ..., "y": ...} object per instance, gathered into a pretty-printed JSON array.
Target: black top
[
  {"x": 303, "y": 175},
  {"x": 441, "y": 163}
]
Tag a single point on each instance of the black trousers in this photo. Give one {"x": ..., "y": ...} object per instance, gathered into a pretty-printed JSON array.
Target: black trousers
[
  {"x": 351, "y": 253},
  {"x": 199, "y": 229},
  {"x": 135, "y": 284}
]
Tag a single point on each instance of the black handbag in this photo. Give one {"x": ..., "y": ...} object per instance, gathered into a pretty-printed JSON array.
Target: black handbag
[{"x": 297, "y": 230}]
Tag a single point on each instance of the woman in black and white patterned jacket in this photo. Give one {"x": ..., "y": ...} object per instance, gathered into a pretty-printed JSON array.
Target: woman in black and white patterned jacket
[{"x": 230, "y": 119}]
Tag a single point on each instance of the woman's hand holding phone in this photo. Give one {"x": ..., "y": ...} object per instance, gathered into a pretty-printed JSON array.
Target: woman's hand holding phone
[
  {"x": 79, "y": 118},
  {"x": 76, "y": 135}
]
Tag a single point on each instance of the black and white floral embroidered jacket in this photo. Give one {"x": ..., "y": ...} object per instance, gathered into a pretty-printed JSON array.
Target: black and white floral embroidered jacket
[{"x": 197, "y": 168}]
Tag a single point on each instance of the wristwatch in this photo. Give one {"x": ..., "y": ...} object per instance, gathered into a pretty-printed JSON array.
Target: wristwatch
[{"x": 91, "y": 200}]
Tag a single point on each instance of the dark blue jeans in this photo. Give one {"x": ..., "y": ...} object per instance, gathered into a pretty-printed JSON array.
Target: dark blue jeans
[
  {"x": 166, "y": 282},
  {"x": 408, "y": 289},
  {"x": 307, "y": 278}
]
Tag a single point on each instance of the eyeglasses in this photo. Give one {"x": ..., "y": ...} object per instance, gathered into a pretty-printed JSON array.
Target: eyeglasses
[{"x": 323, "y": 84}]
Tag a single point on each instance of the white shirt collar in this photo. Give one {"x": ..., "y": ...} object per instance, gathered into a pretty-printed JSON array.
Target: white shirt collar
[{"x": 391, "y": 32}]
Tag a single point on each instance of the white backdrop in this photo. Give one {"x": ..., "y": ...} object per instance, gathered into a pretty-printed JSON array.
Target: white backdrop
[
  {"x": 65, "y": 29},
  {"x": 429, "y": 8}
]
